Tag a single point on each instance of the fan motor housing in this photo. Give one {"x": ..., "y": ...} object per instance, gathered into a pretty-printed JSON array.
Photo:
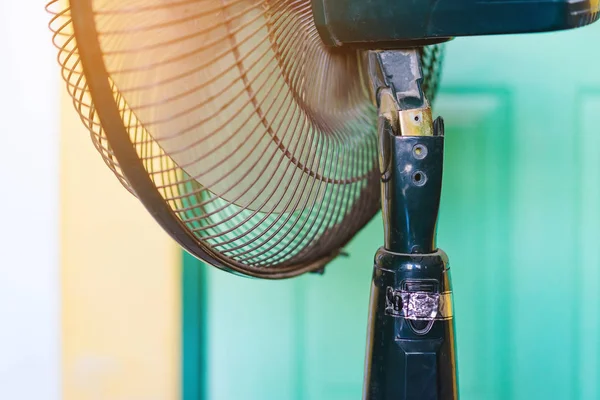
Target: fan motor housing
[{"x": 408, "y": 23}]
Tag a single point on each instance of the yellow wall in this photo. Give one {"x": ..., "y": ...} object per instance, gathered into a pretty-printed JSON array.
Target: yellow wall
[{"x": 120, "y": 276}]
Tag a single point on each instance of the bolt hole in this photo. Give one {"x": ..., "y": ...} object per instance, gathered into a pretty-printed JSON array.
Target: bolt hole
[
  {"x": 419, "y": 178},
  {"x": 419, "y": 151}
]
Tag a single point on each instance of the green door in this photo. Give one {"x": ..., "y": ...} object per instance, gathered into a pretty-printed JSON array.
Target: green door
[{"x": 519, "y": 220}]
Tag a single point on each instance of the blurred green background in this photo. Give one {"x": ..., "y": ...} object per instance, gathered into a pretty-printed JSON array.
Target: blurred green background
[{"x": 520, "y": 223}]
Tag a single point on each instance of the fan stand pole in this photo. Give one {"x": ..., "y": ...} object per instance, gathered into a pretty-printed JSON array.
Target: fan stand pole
[{"x": 410, "y": 342}]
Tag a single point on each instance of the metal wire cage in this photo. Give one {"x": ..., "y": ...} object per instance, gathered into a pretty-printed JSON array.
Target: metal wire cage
[{"x": 249, "y": 140}]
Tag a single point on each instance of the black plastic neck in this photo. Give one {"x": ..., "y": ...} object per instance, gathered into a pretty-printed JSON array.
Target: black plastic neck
[{"x": 411, "y": 189}]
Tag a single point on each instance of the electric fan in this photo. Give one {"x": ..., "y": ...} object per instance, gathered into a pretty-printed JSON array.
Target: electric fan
[{"x": 264, "y": 134}]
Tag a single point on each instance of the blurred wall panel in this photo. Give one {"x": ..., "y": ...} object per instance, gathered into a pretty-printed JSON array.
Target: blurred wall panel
[
  {"x": 120, "y": 283},
  {"x": 29, "y": 131}
]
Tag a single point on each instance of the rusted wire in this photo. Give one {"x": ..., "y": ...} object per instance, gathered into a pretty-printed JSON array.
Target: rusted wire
[{"x": 260, "y": 138}]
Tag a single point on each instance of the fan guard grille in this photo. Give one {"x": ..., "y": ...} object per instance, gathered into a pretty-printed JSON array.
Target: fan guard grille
[{"x": 259, "y": 138}]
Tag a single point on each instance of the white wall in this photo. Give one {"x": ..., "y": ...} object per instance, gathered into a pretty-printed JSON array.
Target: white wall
[{"x": 29, "y": 259}]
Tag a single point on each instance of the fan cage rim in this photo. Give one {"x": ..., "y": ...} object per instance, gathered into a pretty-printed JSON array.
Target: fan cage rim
[{"x": 173, "y": 225}]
